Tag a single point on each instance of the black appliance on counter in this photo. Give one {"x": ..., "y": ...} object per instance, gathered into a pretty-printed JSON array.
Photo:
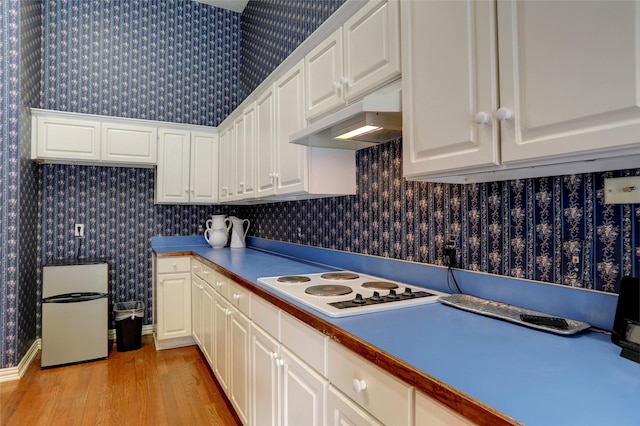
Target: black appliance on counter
[{"x": 626, "y": 325}]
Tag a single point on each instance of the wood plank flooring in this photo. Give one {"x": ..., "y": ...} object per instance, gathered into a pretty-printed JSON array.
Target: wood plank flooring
[{"x": 142, "y": 387}]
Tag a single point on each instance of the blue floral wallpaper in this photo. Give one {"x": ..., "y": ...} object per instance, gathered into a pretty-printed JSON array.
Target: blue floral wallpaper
[
  {"x": 271, "y": 30},
  {"x": 552, "y": 229}
]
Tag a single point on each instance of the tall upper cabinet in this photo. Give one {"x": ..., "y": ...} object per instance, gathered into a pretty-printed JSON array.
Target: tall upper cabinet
[{"x": 508, "y": 85}]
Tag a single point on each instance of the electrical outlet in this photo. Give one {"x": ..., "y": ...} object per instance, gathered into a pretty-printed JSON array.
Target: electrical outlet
[
  {"x": 79, "y": 230},
  {"x": 450, "y": 255}
]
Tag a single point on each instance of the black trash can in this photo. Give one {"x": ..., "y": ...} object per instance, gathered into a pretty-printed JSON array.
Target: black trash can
[{"x": 128, "y": 317}]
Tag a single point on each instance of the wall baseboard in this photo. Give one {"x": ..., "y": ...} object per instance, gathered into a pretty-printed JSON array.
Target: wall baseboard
[{"x": 15, "y": 373}]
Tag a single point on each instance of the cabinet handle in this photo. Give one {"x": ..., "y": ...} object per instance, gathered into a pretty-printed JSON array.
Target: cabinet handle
[
  {"x": 344, "y": 80},
  {"x": 335, "y": 86},
  {"x": 359, "y": 385},
  {"x": 227, "y": 312},
  {"x": 186, "y": 190},
  {"x": 504, "y": 114},
  {"x": 236, "y": 296},
  {"x": 174, "y": 265},
  {"x": 482, "y": 118},
  {"x": 279, "y": 362},
  {"x": 240, "y": 183},
  {"x": 273, "y": 355}
]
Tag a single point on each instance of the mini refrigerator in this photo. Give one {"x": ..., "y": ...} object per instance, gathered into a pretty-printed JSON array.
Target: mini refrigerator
[{"x": 75, "y": 298}]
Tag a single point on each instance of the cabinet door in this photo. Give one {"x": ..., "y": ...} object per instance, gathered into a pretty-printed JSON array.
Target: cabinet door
[
  {"x": 225, "y": 167},
  {"x": 303, "y": 392},
  {"x": 173, "y": 172},
  {"x": 239, "y": 364},
  {"x": 371, "y": 47},
  {"x": 342, "y": 411},
  {"x": 207, "y": 325},
  {"x": 265, "y": 141},
  {"x": 569, "y": 75},
  {"x": 291, "y": 159},
  {"x": 236, "y": 159},
  {"x": 264, "y": 378},
  {"x": 324, "y": 67},
  {"x": 174, "y": 305},
  {"x": 203, "y": 187},
  {"x": 124, "y": 143},
  {"x": 247, "y": 163},
  {"x": 196, "y": 309},
  {"x": 221, "y": 313},
  {"x": 67, "y": 138},
  {"x": 448, "y": 77}
]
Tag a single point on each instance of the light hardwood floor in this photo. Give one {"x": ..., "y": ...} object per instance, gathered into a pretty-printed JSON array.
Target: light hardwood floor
[{"x": 142, "y": 387}]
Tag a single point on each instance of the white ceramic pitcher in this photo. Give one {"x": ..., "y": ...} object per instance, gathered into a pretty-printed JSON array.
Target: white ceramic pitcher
[
  {"x": 238, "y": 232},
  {"x": 218, "y": 221}
]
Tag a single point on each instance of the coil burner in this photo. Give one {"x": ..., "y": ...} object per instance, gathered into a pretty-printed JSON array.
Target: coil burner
[
  {"x": 380, "y": 285},
  {"x": 328, "y": 290},
  {"x": 340, "y": 276},
  {"x": 294, "y": 279}
]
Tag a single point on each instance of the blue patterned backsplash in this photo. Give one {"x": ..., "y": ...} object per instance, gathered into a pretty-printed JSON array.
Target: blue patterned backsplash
[{"x": 552, "y": 229}]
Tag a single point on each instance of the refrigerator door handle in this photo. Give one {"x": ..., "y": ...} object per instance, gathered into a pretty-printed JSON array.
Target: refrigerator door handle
[{"x": 74, "y": 297}]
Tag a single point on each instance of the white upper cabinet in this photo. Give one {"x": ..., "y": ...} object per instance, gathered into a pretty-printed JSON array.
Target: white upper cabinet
[
  {"x": 127, "y": 143},
  {"x": 357, "y": 58},
  {"x": 245, "y": 139},
  {"x": 265, "y": 137},
  {"x": 290, "y": 169},
  {"x": 72, "y": 138},
  {"x": 566, "y": 90},
  {"x": 187, "y": 170},
  {"x": 449, "y": 76},
  {"x": 569, "y": 75},
  {"x": 226, "y": 173}
]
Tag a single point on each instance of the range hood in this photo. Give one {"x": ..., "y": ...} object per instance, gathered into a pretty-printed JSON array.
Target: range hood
[{"x": 382, "y": 112}]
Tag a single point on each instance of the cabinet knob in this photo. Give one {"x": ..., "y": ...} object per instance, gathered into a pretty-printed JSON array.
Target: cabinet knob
[
  {"x": 186, "y": 190},
  {"x": 174, "y": 265},
  {"x": 240, "y": 183},
  {"x": 335, "y": 86},
  {"x": 236, "y": 296},
  {"x": 504, "y": 114},
  {"x": 227, "y": 312},
  {"x": 273, "y": 355},
  {"x": 482, "y": 118},
  {"x": 359, "y": 385},
  {"x": 344, "y": 80},
  {"x": 206, "y": 273},
  {"x": 279, "y": 362}
]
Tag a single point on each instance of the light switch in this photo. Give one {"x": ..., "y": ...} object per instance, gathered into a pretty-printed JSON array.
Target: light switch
[{"x": 625, "y": 190}]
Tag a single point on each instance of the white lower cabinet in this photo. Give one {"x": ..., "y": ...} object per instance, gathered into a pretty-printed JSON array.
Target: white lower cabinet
[
  {"x": 231, "y": 354},
  {"x": 285, "y": 391},
  {"x": 202, "y": 315},
  {"x": 172, "y": 302},
  {"x": 369, "y": 386}
]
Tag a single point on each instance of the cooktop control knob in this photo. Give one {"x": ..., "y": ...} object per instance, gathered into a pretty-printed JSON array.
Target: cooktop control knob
[
  {"x": 392, "y": 294},
  {"x": 408, "y": 293},
  {"x": 376, "y": 297},
  {"x": 358, "y": 300}
]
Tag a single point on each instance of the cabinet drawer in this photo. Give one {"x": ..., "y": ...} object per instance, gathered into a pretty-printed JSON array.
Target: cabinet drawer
[
  {"x": 304, "y": 341},
  {"x": 369, "y": 386},
  {"x": 240, "y": 297},
  {"x": 266, "y": 316},
  {"x": 173, "y": 264},
  {"x": 431, "y": 412}
]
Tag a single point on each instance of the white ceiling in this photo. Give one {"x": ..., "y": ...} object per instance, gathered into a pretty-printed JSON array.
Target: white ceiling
[{"x": 234, "y": 5}]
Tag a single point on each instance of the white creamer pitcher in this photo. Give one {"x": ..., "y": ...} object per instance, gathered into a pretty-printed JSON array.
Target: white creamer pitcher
[{"x": 238, "y": 232}]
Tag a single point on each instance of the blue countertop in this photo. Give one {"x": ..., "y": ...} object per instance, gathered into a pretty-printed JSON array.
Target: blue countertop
[{"x": 535, "y": 377}]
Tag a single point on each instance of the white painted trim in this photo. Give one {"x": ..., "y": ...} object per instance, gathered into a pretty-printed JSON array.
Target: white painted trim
[{"x": 14, "y": 373}]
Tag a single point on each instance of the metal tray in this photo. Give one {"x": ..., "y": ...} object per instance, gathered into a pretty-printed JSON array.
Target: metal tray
[{"x": 507, "y": 312}]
